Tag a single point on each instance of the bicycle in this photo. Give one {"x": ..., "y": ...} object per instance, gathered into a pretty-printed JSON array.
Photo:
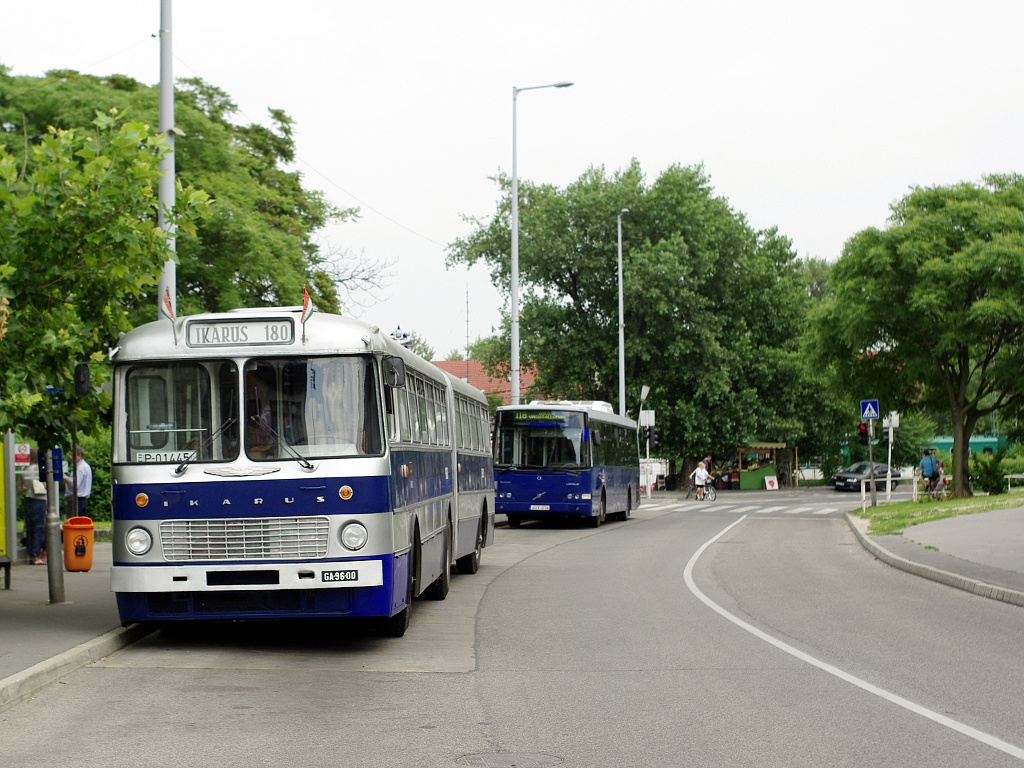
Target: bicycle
[
  {"x": 709, "y": 491},
  {"x": 936, "y": 487}
]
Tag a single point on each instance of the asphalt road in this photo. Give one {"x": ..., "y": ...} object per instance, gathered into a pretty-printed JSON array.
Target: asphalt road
[{"x": 690, "y": 635}]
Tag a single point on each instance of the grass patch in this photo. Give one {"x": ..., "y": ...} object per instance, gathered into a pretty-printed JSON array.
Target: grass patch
[{"x": 898, "y": 516}]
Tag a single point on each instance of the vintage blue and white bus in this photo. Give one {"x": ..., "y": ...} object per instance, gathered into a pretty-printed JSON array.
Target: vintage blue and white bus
[
  {"x": 574, "y": 458},
  {"x": 267, "y": 468}
]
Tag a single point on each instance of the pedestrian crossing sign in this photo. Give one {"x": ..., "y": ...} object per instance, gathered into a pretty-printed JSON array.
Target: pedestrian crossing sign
[{"x": 868, "y": 410}]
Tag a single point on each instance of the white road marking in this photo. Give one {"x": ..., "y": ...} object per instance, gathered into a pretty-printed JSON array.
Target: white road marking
[
  {"x": 948, "y": 722},
  {"x": 742, "y": 509}
]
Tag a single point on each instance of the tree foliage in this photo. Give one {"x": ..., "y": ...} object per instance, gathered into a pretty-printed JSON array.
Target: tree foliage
[
  {"x": 929, "y": 313},
  {"x": 257, "y": 247},
  {"x": 713, "y": 309},
  {"x": 79, "y": 242}
]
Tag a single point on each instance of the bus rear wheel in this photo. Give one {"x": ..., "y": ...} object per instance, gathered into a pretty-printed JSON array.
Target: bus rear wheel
[
  {"x": 439, "y": 589},
  {"x": 471, "y": 563}
]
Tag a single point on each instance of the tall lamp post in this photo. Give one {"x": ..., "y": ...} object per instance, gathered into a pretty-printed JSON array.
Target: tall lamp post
[
  {"x": 622, "y": 328},
  {"x": 514, "y": 362}
]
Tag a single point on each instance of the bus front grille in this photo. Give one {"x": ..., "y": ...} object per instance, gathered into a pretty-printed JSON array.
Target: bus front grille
[{"x": 245, "y": 539}]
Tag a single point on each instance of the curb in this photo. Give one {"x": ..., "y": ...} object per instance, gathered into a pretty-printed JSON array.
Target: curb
[
  {"x": 1003, "y": 594},
  {"x": 20, "y": 686}
]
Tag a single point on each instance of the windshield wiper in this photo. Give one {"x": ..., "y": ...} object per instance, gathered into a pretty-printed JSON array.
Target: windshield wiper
[
  {"x": 261, "y": 423},
  {"x": 180, "y": 470}
]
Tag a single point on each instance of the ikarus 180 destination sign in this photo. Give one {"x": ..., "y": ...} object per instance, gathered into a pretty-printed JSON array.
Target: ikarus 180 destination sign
[{"x": 233, "y": 333}]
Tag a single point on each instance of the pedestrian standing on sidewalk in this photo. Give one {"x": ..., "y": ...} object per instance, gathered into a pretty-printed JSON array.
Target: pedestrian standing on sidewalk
[
  {"x": 34, "y": 510},
  {"x": 82, "y": 481}
]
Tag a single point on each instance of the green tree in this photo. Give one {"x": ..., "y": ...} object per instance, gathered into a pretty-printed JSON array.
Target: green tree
[
  {"x": 258, "y": 245},
  {"x": 929, "y": 313},
  {"x": 79, "y": 242},
  {"x": 713, "y": 309}
]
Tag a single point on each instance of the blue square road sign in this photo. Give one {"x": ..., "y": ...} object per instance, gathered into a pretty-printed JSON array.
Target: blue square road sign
[{"x": 868, "y": 410}]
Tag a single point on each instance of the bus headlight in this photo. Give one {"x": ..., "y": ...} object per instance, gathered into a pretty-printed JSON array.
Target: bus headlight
[
  {"x": 138, "y": 541},
  {"x": 353, "y": 536}
]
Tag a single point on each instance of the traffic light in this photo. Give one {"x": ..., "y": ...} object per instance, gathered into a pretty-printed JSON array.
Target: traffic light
[
  {"x": 654, "y": 437},
  {"x": 863, "y": 433},
  {"x": 645, "y": 435}
]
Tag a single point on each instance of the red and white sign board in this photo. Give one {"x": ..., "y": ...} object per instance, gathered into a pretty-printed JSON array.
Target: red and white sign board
[
  {"x": 771, "y": 483},
  {"x": 22, "y": 454}
]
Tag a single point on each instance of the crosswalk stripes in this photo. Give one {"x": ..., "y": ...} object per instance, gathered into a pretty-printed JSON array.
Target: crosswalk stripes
[
  {"x": 741, "y": 510},
  {"x": 744, "y": 509}
]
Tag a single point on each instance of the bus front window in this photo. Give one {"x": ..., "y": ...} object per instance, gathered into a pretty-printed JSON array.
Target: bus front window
[
  {"x": 541, "y": 439},
  {"x": 311, "y": 408},
  {"x": 178, "y": 412}
]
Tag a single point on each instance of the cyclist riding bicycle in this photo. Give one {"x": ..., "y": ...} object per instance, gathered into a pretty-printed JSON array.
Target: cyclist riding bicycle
[{"x": 929, "y": 471}]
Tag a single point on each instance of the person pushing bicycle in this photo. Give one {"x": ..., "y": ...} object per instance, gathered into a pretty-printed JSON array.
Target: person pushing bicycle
[{"x": 700, "y": 479}]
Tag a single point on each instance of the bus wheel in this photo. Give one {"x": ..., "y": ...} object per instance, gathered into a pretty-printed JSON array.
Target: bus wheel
[
  {"x": 514, "y": 521},
  {"x": 596, "y": 520},
  {"x": 396, "y": 625},
  {"x": 471, "y": 563},
  {"x": 439, "y": 589},
  {"x": 624, "y": 515}
]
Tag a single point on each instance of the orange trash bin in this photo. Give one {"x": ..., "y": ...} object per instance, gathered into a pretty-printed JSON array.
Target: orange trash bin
[{"x": 78, "y": 540}]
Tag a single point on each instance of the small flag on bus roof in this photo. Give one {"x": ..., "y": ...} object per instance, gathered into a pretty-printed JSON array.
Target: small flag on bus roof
[
  {"x": 165, "y": 306},
  {"x": 308, "y": 308}
]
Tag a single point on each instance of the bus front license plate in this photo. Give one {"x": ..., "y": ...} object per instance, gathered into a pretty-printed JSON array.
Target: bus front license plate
[
  {"x": 352, "y": 575},
  {"x": 540, "y": 507}
]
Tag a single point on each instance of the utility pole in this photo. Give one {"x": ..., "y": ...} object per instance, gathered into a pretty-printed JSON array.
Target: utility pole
[
  {"x": 167, "y": 286},
  {"x": 54, "y": 551}
]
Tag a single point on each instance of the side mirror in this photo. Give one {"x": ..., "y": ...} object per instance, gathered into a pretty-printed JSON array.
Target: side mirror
[
  {"x": 394, "y": 371},
  {"x": 82, "y": 379}
]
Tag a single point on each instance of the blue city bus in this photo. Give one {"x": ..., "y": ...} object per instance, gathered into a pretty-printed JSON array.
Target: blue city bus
[
  {"x": 565, "y": 458},
  {"x": 265, "y": 467}
]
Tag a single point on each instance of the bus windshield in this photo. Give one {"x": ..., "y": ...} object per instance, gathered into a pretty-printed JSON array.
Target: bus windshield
[
  {"x": 541, "y": 439},
  {"x": 315, "y": 408},
  {"x": 284, "y": 408}
]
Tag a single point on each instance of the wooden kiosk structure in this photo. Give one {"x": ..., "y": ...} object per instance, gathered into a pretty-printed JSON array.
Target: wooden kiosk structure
[{"x": 753, "y": 477}]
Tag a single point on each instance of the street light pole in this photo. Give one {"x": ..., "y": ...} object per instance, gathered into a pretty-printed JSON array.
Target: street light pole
[
  {"x": 514, "y": 360},
  {"x": 622, "y": 328}
]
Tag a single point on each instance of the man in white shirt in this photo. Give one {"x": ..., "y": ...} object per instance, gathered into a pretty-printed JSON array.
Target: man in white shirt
[{"x": 82, "y": 482}]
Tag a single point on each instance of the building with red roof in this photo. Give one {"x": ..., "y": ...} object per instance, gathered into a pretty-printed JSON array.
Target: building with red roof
[{"x": 472, "y": 371}]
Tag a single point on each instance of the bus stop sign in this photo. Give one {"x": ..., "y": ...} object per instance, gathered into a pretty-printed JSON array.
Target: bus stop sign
[{"x": 868, "y": 410}]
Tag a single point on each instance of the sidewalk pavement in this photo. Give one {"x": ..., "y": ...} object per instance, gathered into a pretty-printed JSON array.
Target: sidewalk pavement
[
  {"x": 40, "y": 643},
  {"x": 981, "y": 553}
]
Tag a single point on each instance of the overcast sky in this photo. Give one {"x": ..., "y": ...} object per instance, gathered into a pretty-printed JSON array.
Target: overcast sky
[{"x": 810, "y": 116}]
